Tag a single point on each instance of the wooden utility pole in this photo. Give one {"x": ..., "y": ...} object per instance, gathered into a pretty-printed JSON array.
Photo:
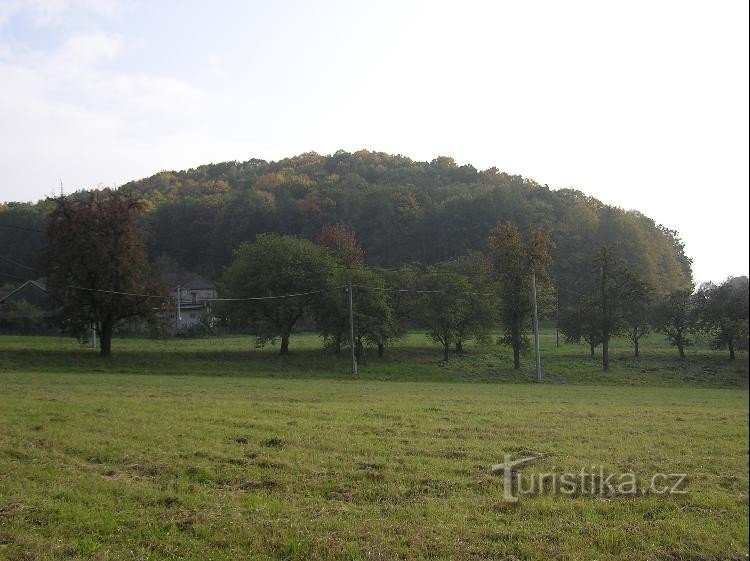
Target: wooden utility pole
[
  {"x": 536, "y": 329},
  {"x": 351, "y": 329}
]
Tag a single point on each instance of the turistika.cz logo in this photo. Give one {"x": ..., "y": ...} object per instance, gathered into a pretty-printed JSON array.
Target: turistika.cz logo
[{"x": 591, "y": 481}]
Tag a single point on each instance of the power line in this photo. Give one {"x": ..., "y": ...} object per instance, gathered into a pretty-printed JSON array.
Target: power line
[
  {"x": 17, "y": 264},
  {"x": 257, "y": 298},
  {"x": 418, "y": 291},
  {"x": 118, "y": 292},
  {"x": 14, "y": 276},
  {"x": 277, "y": 297}
]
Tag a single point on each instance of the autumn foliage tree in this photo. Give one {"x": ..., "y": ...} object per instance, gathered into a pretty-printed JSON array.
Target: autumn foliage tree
[
  {"x": 95, "y": 266},
  {"x": 343, "y": 244}
]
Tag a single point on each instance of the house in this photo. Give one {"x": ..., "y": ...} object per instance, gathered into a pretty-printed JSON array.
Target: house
[
  {"x": 25, "y": 309},
  {"x": 193, "y": 295},
  {"x": 33, "y": 292}
]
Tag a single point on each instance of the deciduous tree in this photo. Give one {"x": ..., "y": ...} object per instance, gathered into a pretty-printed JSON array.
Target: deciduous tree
[
  {"x": 513, "y": 260},
  {"x": 272, "y": 267},
  {"x": 637, "y": 315},
  {"x": 672, "y": 316},
  {"x": 444, "y": 306},
  {"x": 95, "y": 265},
  {"x": 723, "y": 311},
  {"x": 615, "y": 288}
]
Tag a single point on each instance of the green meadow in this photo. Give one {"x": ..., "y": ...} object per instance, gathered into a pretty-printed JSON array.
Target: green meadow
[{"x": 212, "y": 449}]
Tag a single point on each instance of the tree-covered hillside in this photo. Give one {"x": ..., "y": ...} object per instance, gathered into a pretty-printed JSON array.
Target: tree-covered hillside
[{"x": 402, "y": 211}]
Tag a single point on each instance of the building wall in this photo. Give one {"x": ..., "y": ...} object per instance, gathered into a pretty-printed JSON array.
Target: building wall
[{"x": 195, "y": 296}]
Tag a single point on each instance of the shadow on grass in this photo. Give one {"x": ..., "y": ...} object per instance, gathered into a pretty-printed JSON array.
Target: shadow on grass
[{"x": 407, "y": 362}]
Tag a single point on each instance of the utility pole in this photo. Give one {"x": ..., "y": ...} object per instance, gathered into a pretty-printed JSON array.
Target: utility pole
[
  {"x": 351, "y": 329},
  {"x": 178, "y": 316},
  {"x": 536, "y": 328},
  {"x": 93, "y": 336}
]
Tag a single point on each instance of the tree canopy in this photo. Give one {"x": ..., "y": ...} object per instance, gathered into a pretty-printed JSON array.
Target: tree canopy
[
  {"x": 95, "y": 267},
  {"x": 271, "y": 267},
  {"x": 402, "y": 211}
]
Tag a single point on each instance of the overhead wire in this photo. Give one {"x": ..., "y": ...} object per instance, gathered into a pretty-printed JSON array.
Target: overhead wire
[
  {"x": 17, "y": 264},
  {"x": 14, "y": 276},
  {"x": 276, "y": 297}
]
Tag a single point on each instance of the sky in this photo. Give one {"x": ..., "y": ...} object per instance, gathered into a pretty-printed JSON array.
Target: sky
[{"x": 643, "y": 105}]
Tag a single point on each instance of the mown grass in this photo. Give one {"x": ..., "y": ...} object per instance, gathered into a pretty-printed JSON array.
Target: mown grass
[{"x": 209, "y": 449}]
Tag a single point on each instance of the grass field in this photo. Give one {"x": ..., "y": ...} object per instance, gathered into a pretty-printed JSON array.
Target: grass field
[{"x": 209, "y": 449}]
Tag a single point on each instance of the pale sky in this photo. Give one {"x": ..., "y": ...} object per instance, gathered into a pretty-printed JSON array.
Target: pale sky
[{"x": 641, "y": 104}]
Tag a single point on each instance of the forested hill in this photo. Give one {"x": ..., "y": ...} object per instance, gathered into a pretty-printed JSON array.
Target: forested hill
[{"x": 402, "y": 211}]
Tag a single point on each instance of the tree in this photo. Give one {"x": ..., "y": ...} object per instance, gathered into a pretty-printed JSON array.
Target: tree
[
  {"x": 332, "y": 309},
  {"x": 444, "y": 306},
  {"x": 637, "y": 314},
  {"x": 673, "y": 317},
  {"x": 513, "y": 262},
  {"x": 615, "y": 288},
  {"x": 405, "y": 211},
  {"x": 481, "y": 301},
  {"x": 723, "y": 311},
  {"x": 579, "y": 322},
  {"x": 374, "y": 322},
  {"x": 405, "y": 306},
  {"x": 604, "y": 302},
  {"x": 95, "y": 265},
  {"x": 274, "y": 267},
  {"x": 343, "y": 244}
]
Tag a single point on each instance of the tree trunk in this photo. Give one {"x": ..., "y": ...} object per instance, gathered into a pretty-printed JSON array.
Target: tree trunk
[
  {"x": 105, "y": 338},
  {"x": 731, "y": 349},
  {"x": 284, "y": 344},
  {"x": 636, "y": 347},
  {"x": 446, "y": 349},
  {"x": 459, "y": 347},
  {"x": 592, "y": 348},
  {"x": 605, "y": 354},
  {"x": 381, "y": 350},
  {"x": 516, "y": 355},
  {"x": 681, "y": 350}
]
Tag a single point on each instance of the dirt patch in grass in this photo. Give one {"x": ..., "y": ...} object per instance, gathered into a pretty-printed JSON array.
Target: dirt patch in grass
[
  {"x": 274, "y": 442},
  {"x": 11, "y": 509}
]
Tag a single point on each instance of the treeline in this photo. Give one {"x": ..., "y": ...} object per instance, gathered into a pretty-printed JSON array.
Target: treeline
[
  {"x": 278, "y": 281},
  {"x": 97, "y": 274},
  {"x": 402, "y": 211}
]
